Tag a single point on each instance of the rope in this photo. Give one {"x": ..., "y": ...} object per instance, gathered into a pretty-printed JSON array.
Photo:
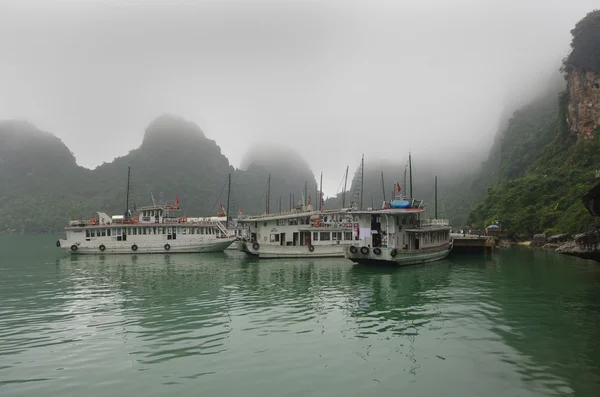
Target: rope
[{"x": 220, "y": 194}]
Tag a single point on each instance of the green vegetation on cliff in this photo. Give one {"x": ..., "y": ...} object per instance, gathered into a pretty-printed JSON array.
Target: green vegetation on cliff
[{"x": 544, "y": 166}]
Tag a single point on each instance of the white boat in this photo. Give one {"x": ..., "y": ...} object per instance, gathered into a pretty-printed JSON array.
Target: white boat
[
  {"x": 300, "y": 233},
  {"x": 399, "y": 235},
  {"x": 157, "y": 229}
]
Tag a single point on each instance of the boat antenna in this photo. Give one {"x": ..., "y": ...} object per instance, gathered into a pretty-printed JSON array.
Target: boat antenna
[
  {"x": 344, "y": 191},
  {"x": 128, "y": 187},
  {"x": 153, "y": 202},
  {"x": 228, "y": 196},
  {"x": 321, "y": 195},
  {"x": 362, "y": 180},
  {"x": 436, "y": 212},
  {"x": 280, "y": 204},
  {"x": 383, "y": 186},
  {"x": 410, "y": 174}
]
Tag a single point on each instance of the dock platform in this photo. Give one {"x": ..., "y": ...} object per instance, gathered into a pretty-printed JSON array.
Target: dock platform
[{"x": 472, "y": 243}]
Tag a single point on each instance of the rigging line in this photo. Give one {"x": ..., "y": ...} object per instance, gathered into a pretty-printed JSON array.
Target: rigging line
[
  {"x": 220, "y": 194},
  {"x": 340, "y": 186}
]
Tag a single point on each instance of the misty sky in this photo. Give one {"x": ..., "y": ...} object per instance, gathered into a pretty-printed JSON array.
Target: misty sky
[{"x": 332, "y": 79}]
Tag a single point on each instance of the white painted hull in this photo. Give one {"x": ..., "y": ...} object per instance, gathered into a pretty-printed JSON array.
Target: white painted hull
[
  {"x": 402, "y": 258},
  {"x": 276, "y": 251},
  {"x": 235, "y": 246},
  {"x": 147, "y": 247}
]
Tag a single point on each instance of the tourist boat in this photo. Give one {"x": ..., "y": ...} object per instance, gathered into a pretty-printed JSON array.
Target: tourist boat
[
  {"x": 299, "y": 233},
  {"x": 156, "y": 229},
  {"x": 398, "y": 234}
]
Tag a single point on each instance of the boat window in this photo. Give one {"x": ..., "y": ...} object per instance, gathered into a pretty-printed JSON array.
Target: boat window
[
  {"x": 316, "y": 236},
  {"x": 145, "y": 230},
  {"x": 135, "y": 231},
  {"x": 293, "y": 221},
  {"x": 184, "y": 231},
  {"x": 87, "y": 232},
  {"x": 347, "y": 235},
  {"x": 274, "y": 238},
  {"x": 334, "y": 236},
  {"x": 280, "y": 222},
  {"x": 325, "y": 236}
]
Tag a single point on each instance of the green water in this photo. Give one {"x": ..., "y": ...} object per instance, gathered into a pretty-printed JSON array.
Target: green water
[{"x": 517, "y": 323}]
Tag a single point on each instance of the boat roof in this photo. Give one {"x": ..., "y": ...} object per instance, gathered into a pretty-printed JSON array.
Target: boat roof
[
  {"x": 287, "y": 215},
  {"x": 159, "y": 207},
  {"x": 428, "y": 229},
  {"x": 388, "y": 211}
]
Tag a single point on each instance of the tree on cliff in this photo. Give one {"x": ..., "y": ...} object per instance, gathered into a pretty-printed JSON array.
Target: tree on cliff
[{"x": 585, "y": 45}]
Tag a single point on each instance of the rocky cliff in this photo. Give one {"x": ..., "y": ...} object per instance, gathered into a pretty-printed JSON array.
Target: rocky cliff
[{"x": 583, "y": 109}]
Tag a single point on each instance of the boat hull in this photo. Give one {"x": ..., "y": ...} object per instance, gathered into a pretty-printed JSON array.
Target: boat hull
[
  {"x": 401, "y": 258},
  {"x": 116, "y": 247},
  {"x": 275, "y": 251}
]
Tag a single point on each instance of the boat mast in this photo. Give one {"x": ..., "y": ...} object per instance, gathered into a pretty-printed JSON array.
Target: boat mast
[
  {"x": 362, "y": 180},
  {"x": 268, "y": 193},
  {"x": 228, "y": 196},
  {"x": 128, "y": 185},
  {"x": 436, "y": 213},
  {"x": 410, "y": 174},
  {"x": 344, "y": 192},
  {"x": 382, "y": 186},
  {"x": 404, "y": 182},
  {"x": 321, "y": 195},
  {"x": 305, "y": 192}
]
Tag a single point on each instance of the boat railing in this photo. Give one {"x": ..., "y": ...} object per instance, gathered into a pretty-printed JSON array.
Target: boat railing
[{"x": 435, "y": 222}]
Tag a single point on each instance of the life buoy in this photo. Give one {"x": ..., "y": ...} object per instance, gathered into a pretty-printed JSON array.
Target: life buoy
[
  {"x": 364, "y": 250},
  {"x": 394, "y": 252},
  {"x": 377, "y": 251},
  {"x": 167, "y": 247},
  {"x": 135, "y": 219},
  {"x": 353, "y": 249},
  {"x": 134, "y": 247},
  {"x": 183, "y": 219},
  {"x": 255, "y": 246},
  {"x": 317, "y": 223},
  {"x": 102, "y": 247},
  {"x": 93, "y": 221},
  {"x": 74, "y": 248},
  {"x": 311, "y": 248},
  {"x": 57, "y": 243}
]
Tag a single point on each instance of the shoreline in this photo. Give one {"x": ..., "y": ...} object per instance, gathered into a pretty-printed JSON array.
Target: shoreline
[{"x": 525, "y": 243}]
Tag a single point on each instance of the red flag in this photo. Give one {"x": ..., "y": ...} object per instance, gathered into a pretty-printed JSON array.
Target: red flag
[
  {"x": 399, "y": 188},
  {"x": 176, "y": 201}
]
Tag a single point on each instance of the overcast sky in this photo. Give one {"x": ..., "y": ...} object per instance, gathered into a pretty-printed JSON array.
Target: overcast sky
[{"x": 333, "y": 79}]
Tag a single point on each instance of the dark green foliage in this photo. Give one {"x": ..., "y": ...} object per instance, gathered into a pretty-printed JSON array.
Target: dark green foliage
[
  {"x": 548, "y": 198},
  {"x": 585, "y": 45},
  {"x": 41, "y": 186}
]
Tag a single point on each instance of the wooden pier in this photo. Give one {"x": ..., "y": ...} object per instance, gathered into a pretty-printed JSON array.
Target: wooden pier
[{"x": 472, "y": 243}]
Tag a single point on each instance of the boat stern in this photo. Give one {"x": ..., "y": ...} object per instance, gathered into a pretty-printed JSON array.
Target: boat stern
[{"x": 250, "y": 248}]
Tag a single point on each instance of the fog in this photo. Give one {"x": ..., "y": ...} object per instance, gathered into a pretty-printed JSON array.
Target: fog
[{"x": 331, "y": 79}]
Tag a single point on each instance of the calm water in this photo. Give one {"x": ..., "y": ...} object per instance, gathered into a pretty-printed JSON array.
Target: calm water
[{"x": 517, "y": 323}]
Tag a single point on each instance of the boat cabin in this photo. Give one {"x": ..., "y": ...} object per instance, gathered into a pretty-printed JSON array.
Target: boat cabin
[
  {"x": 300, "y": 229},
  {"x": 400, "y": 229}
]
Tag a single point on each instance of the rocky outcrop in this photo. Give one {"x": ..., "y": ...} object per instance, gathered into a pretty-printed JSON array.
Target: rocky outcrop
[
  {"x": 584, "y": 245},
  {"x": 591, "y": 200},
  {"x": 583, "y": 109},
  {"x": 539, "y": 240}
]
